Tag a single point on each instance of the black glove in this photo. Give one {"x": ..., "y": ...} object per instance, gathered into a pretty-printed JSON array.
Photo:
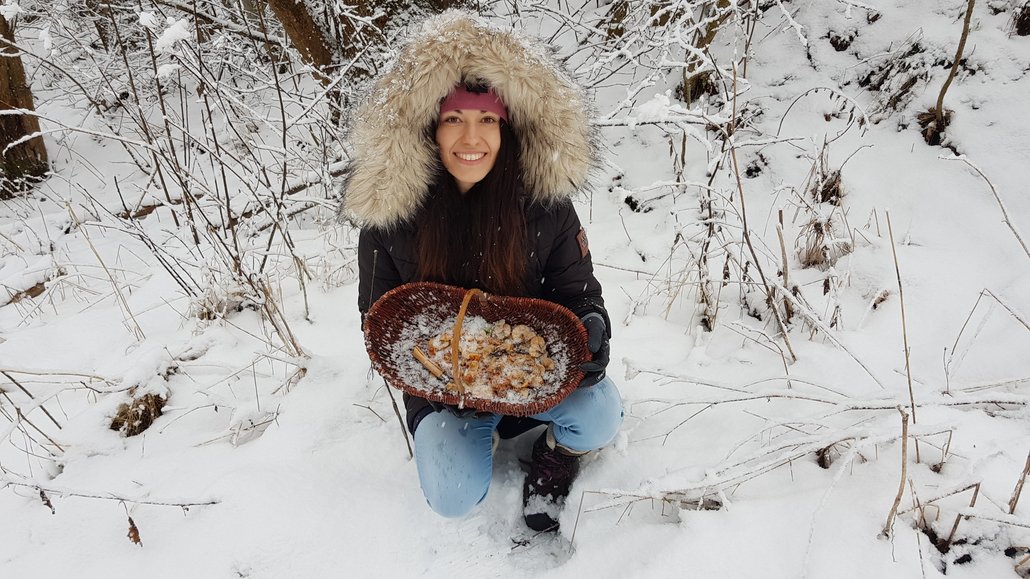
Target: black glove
[{"x": 597, "y": 342}]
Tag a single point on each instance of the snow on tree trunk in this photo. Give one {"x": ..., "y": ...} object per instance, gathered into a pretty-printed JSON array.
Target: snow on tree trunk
[
  {"x": 305, "y": 34},
  {"x": 99, "y": 11},
  {"x": 27, "y": 160}
]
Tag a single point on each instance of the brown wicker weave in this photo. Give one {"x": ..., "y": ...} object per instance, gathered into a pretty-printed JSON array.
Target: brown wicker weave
[{"x": 410, "y": 315}]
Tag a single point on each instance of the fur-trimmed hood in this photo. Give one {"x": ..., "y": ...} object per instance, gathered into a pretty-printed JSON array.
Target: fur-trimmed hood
[{"x": 395, "y": 159}]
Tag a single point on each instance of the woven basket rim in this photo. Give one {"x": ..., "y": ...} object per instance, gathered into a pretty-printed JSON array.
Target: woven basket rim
[{"x": 563, "y": 324}]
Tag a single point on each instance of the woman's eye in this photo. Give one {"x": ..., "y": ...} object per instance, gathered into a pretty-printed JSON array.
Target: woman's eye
[
  {"x": 489, "y": 120},
  {"x": 452, "y": 120}
]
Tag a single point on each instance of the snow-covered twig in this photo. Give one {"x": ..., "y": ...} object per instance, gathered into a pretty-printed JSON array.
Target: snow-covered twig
[
  {"x": 854, "y": 4},
  {"x": 67, "y": 128},
  {"x": 29, "y": 394},
  {"x": 726, "y": 476},
  {"x": 747, "y": 234},
  {"x": 798, "y": 29},
  {"x": 843, "y": 404},
  {"x": 223, "y": 24},
  {"x": 997, "y": 197},
  {"x": 74, "y": 375},
  {"x": 828, "y": 332},
  {"x": 107, "y": 496},
  {"x": 1004, "y": 519},
  {"x": 863, "y": 118},
  {"x": 122, "y": 301},
  {"x": 954, "y": 490}
]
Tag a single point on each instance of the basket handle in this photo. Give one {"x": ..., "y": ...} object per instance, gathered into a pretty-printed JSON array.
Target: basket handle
[{"x": 456, "y": 340}]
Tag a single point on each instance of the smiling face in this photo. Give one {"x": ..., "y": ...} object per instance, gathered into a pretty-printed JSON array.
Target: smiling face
[{"x": 468, "y": 141}]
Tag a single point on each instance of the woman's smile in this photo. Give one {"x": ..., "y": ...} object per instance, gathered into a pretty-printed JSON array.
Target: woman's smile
[{"x": 470, "y": 158}]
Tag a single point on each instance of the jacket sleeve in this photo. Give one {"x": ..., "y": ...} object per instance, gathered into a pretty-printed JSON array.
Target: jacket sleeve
[
  {"x": 569, "y": 273},
  {"x": 377, "y": 274}
]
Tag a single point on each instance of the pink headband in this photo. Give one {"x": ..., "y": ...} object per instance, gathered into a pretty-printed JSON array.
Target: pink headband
[{"x": 462, "y": 99}]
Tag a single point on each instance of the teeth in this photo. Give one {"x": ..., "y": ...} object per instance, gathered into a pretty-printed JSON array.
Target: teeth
[{"x": 471, "y": 156}]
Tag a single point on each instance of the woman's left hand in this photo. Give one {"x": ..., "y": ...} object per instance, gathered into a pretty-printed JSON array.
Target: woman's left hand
[{"x": 597, "y": 343}]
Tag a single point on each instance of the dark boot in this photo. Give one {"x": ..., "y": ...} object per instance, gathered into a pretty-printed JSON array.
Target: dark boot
[{"x": 551, "y": 473}]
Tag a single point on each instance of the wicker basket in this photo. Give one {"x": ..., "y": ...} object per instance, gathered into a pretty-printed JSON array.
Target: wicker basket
[{"x": 410, "y": 315}]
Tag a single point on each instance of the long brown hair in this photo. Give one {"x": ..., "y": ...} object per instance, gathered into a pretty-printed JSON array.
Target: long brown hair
[{"x": 477, "y": 239}]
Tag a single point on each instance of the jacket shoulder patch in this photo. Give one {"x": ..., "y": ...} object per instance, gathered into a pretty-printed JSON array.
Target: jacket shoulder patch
[{"x": 584, "y": 244}]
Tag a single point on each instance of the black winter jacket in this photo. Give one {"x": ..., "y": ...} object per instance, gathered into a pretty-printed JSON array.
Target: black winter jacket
[{"x": 559, "y": 268}]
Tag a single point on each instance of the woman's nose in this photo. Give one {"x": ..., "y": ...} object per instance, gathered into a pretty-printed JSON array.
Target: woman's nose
[{"x": 470, "y": 133}]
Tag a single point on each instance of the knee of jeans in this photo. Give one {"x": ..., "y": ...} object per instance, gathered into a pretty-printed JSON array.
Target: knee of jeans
[
  {"x": 609, "y": 417},
  {"x": 455, "y": 502},
  {"x": 599, "y": 422}
]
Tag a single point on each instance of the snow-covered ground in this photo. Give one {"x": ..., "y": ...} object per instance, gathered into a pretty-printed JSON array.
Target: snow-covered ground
[{"x": 258, "y": 470}]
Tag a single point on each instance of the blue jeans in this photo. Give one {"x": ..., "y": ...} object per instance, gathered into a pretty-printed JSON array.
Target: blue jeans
[{"x": 454, "y": 455}]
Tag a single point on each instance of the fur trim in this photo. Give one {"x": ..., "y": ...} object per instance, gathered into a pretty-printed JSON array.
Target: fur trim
[{"x": 394, "y": 159}]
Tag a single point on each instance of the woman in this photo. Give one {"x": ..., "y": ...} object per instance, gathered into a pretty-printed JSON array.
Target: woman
[{"x": 466, "y": 155}]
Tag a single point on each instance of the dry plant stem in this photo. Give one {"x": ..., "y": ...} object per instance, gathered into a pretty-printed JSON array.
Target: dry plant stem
[
  {"x": 904, "y": 329},
  {"x": 747, "y": 236},
  {"x": 29, "y": 394},
  {"x": 815, "y": 321},
  {"x": 75, "y": 375},
  {"x": 16, "y": 425},
  {"x": 945, "y": 495},
  {"x": 137, "y": 330},
  {"x": 579, "y": 512},
  {"x": 921, "y": 526},
  {"x": 400, "y": 420},
  {"x": 843, "y": 403},
  {"x": 178, "y": 170},
  {"x": 141, "y": 121},
  {"x": 1019, "y": 486},
  {"x": 958, "y": 517},
  {"x": 108, "y": 497},
  {"x": 370, "y": 409},
  {"x": 918, "y": 505},
  {"x": 1001, "y": 204},
  {"x": 749, "y": 468},
  {"x": 1008, "y": 308},
  {"x": 888, "y": 527},
  {"x": 954, "y": 70},
  {"x": 1003, "y": 519},
  {"x": 947, "y": 447},
  {"x": 302, "y": 272},
  {"x": 277, "y": 318},
  {"x": 21, "y": 416},
  {"x": 788, "y": 310}
]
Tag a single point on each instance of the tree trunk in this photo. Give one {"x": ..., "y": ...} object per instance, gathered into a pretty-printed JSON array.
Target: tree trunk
[
  {"x": 441, "y": 5},
  {"x": 325, "y": 44},
  {"x": 27, "y": 160},
  {"x": 617, "y": 19},
  {"x": 99, "y": 11},
  {"x": 695, "y": 84},
  {"x": 305, "y": 34}
]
